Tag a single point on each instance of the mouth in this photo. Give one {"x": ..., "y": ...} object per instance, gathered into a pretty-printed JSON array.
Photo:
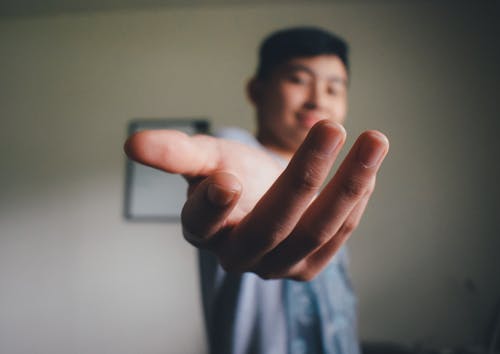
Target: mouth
[{"x": 308, "y": 119}]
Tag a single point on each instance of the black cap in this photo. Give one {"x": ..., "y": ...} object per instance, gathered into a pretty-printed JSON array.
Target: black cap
[{"x": 296, "y": 42}]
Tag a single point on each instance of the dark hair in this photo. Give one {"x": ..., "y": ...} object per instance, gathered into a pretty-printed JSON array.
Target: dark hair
[{"x": 296, "y": 42}]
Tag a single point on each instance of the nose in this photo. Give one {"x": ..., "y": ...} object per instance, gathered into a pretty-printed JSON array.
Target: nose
[{"x": 316, "y": 96}]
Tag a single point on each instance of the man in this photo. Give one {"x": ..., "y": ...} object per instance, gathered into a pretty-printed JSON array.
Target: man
[{"x": 272, "y": 264}]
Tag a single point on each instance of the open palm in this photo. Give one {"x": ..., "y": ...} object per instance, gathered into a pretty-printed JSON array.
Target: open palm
[{"x": 253, "y": 215}]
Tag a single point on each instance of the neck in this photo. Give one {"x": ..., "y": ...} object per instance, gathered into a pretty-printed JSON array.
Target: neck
[{"x": 270, "y": 144}]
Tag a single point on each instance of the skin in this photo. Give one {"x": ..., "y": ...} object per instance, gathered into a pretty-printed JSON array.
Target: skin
[
  {"x": 274, "y": 222},
  {"x": 298, "y": 94}
]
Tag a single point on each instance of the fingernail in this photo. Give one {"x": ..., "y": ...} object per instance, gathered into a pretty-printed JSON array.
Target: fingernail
[
  {"x": 219, "y": 196},
  {"x": 331, "y": 142},
  {"x": 371, "y": 151}
]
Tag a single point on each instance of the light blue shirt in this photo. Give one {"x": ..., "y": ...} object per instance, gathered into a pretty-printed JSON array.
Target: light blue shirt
[{"x": 245, "y": 314}]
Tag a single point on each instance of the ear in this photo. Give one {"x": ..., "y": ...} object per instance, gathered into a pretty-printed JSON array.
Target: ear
[{"x": 254, "y": 91}]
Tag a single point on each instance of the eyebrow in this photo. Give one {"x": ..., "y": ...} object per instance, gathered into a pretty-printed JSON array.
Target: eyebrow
[{"x": 300, "y": 67}]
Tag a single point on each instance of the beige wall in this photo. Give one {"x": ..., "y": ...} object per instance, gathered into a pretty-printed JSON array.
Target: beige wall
[{"x": 76, "y": 278}]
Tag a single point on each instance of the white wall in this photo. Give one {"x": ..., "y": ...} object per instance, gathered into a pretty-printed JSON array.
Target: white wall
[{"x": 76, "y": 278}]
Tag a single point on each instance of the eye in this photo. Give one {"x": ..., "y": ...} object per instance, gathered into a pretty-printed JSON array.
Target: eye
[
  {"x": 332, "y": 90},
  {"x": 335, "y": 88},
  {"x": 299, "y": 79}
]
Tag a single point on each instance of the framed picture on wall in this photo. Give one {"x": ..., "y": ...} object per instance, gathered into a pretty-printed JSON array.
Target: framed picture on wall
[{"x": 150, "y": 194}]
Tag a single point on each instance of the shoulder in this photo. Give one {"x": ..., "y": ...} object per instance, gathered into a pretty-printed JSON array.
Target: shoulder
[{"x": 237, "y": 134}]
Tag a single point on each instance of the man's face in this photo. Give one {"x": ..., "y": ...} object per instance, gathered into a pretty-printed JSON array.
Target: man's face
[{"x": 298, "y": 94}]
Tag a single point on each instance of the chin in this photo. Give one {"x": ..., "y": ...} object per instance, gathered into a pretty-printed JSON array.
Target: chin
[{"x": 300, "y": 138}]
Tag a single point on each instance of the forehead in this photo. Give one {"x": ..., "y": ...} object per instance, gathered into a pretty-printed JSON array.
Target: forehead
[{"x": 322, "y": 66}]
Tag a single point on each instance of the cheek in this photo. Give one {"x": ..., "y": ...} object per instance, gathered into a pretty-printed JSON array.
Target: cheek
[
  {"x": 283, "y": 101},
  {"x": 339, "y": 109},
  {"x": 277, "y": 103},
  {"x": 292, "y": 98}
]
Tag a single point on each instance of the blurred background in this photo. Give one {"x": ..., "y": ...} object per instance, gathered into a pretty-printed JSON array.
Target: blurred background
[{"x": 75, "y": 277}]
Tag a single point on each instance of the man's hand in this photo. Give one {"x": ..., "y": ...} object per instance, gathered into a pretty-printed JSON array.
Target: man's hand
[{"x": 256, "y": 217}]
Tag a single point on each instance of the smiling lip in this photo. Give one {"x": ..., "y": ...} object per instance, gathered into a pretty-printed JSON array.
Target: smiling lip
[{"x": 307, "y": 120}]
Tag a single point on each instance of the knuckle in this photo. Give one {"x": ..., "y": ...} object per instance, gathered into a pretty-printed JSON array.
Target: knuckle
[
  {"x": 274, "y": 233},
  {"x": 231, "y": 265},
  {"x": 305, "y": 270},
  {"x": 308, "y": 179},
  {"x": 353, "y": 188},
  {"x": 371, "y": 186},
  {"x": 314, "y": 238},
  {"x": 348, "y": 227}
]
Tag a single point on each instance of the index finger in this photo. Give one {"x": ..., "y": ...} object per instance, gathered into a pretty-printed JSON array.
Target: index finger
[{"x": 174, "y": 151}]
